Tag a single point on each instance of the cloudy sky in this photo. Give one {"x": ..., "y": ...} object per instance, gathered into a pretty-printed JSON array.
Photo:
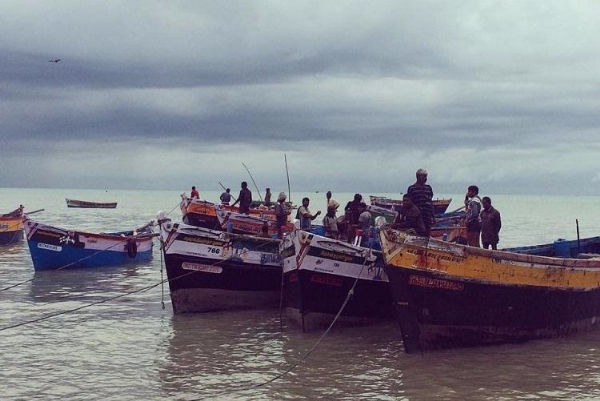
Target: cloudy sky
[{"x": 356, "y": 95}]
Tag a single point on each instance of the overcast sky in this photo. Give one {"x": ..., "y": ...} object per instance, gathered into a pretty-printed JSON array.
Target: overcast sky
[{"x": 356, "y": 95}]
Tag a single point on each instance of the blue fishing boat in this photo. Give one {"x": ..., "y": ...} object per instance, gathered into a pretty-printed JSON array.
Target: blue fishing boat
[
  {"x": 562, "y": 248},
  {"x": 54, "y": 248}
]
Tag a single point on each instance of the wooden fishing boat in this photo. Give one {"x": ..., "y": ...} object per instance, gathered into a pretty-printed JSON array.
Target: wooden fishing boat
[
  {"x": 562, "y": 248},
  {"x": 245, "y": 224},
  {"x": 11, "y": 227},
  {"x": 54, "y": 248},
  {"x": 448, "y": 226},
  {"x": 203, "y": 213},
  {"x": 320, "y": 272},
  {"x": 451, "y": 295},
  {"x": 210, "y": 270},
  {"x": 90, "y": 205},
  {"x": 439, "y": 205}
]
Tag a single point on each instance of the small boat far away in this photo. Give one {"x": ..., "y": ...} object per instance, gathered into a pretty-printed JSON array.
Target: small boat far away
[{"x": 90, "y": 205}]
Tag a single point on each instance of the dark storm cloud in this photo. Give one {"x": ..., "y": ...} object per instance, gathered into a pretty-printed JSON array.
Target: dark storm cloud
[{"x": 487, "y": 92}]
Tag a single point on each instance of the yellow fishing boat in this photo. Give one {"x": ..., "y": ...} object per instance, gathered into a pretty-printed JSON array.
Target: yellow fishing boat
[{"x": 451, "y": 295}]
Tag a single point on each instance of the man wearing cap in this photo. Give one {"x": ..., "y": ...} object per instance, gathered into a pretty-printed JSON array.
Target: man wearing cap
[
  {"x": 331, "y": 201},
  {"x": 422, "y": 197},
  {"x": 281, "y": 214}
]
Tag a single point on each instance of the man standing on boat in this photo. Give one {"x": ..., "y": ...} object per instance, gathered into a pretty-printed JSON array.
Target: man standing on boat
[
  {"x": 305, "y": 216},
  {"x": 194, "y": 193},
  {"x": 330, "y": 223},
  {"x": 491, "y": 224},
  {"x": 226, "y": 197},
  {"x": 473, "y": 221},
  {"x": 331, "y": 201},
  {"x": 421, "y": 195},
  {"x": 352, "y": 211},
  {"x": 268, "y": 202},
  {"x": 244, "y": 199},
  {"x": 281, "y": 214}
]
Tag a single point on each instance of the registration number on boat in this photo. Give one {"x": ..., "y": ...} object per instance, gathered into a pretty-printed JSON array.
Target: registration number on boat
[
  {"x": 202, "y": 267},
  {"x": 49, "y": 247}
]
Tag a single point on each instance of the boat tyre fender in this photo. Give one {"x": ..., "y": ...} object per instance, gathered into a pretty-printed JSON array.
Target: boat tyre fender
[{"x": 131, "y": 248}]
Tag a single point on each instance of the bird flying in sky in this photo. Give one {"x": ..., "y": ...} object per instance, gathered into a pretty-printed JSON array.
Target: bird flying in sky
[{"x": 54, "y": 61}]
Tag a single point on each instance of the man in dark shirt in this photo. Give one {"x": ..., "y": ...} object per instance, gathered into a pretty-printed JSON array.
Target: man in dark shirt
[
  {"x": 226, "y": 197},
  {"x": 244, "y": 199},
  {"x": 421, "y": 195},
  {"x": 352, "y": 211},
  {"x": 491, "y": 223},
  {"x": 354, "y": 208},
  {"x": 410, "y": 218}
]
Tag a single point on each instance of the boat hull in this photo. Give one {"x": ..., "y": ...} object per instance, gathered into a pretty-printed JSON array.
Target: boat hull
[
  {"x": 217, "y": 287},
  {"x": 319, "y": 274},
  {"x": 463, "y": 314},
  {"x": 448, "y": 295},
  {"x": 211, "y": 271}
]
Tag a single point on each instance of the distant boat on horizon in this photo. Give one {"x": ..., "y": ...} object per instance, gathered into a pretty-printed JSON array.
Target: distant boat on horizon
[{"x": 90, "y": 205}]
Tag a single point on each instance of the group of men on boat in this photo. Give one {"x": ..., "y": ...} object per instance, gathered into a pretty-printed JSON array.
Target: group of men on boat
[
  {"x": 481, "y": 218},
  {"x": 416, "y": 215}
]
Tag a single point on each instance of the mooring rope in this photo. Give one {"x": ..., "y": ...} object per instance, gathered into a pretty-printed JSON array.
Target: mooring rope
[
  {"x": 311, "y": 350},
  {"x": 151, "y": 225},
  {"x": 121, "y": 240}
]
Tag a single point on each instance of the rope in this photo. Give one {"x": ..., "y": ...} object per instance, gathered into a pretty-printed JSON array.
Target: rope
[
  {"x": 162, "y": 279},
  {"x": 281, "y": 299},
  {"x": 121, "y": 240},
  {"x": 10, "y": 242},
  {"x": 151, "y": 225},
  {"x": 146, "y": 288},
  {"x": 51, "y": 315}
]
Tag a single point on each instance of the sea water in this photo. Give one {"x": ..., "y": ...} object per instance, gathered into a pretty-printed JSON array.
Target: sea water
[{"x": 110, "y": 333}]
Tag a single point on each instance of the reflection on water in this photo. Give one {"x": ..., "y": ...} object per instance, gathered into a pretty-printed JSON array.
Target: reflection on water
[
  {"x": 232, "y": 354},
  {"x": 74, "y": 284},
  {"x": 215, "y": 353},
  {"x": 229, "y": 356},
  {"x": 549, "y": 369}
]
